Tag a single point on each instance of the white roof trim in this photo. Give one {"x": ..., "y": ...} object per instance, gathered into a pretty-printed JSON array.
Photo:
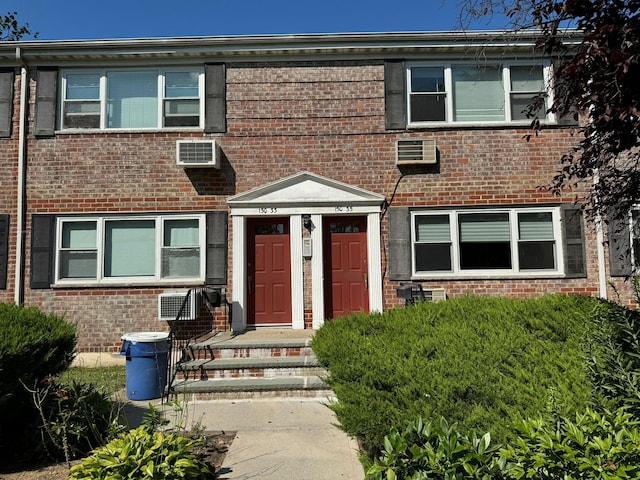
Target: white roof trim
[{"x": 306, "y": 189}]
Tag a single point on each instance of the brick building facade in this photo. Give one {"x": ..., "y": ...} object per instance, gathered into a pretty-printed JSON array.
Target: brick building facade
[{"x": 317, "y": 204}]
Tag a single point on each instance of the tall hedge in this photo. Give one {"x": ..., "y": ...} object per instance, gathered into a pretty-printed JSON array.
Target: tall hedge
[
  {"x": 481, "y": 362},
  {"x": 33, "y": 345}
]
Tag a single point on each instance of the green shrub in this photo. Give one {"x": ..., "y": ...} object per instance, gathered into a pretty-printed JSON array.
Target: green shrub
[
  {"x": 613, "y": 359},
  {"x": 74, "y": 419},
  {"x": 33, "y": 346},
  {"x": 140, "y": 454},
  {"x": 421, "y": 451},
  {"x": 596, "y": 446},
  {"x": 480, "y": 362}
]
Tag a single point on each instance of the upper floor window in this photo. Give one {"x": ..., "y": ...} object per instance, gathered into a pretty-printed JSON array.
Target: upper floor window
[
  {"x": 137, "y": 249},
  {"x": 472, "y": 93},
  {"x": 132, "y": 98},
  {"x": 503, "y": 241}
]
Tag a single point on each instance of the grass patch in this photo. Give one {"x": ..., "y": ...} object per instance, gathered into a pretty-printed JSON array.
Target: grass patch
[{"x": 107, "y": 379}]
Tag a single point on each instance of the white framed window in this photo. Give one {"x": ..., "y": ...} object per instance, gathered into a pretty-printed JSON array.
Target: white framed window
[
  {"x": 141, "y": 249},
  {"x": 140, "y": 98},
  {"x": 474, "y": 93},
  {"x": 487, "y": 242}
]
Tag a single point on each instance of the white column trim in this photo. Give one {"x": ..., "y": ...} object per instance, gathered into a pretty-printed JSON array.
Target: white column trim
[
  {"x": 239, "y": 303},
  {"x": 317, "y": 273},
  {"x": 374, "y": 262},
  {"x": 297, "y": 275}
]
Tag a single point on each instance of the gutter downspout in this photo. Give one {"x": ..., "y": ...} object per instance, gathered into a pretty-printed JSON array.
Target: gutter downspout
[
  {"x": 602, "y": 274},
  {"x": 22, "y": 148}
]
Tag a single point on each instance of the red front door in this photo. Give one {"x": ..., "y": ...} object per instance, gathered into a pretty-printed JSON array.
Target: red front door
[
  {"x": 346, "y": 288},
  {"x": 268, "y": 271}
]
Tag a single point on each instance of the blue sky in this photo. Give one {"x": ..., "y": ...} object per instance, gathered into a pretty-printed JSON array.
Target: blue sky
[{"x": 87, "y": 19}]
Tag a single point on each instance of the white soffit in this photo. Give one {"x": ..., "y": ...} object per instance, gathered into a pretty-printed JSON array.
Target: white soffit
[{"x": 306, "y": 188}]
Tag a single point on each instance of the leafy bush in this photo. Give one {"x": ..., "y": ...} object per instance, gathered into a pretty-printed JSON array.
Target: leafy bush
[
  {"x": 480, "y": 362},
  {"x": 614, "y": 355},
  {"x": 140, "y": 454},
  {"x": 596, "y": 446},
  {"x": 421, "y": 451},
  {"x": 33, "y": 346},
  {"x": 74, "y": 419}
]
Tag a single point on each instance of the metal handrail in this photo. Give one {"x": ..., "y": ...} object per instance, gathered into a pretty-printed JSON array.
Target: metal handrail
[{"x": 179, "y": 346}]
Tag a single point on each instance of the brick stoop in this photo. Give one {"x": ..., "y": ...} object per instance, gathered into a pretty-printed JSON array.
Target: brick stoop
[{"x": 270, "y": 363}]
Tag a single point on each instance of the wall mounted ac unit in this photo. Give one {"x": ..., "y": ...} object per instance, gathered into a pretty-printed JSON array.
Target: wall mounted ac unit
[
  {"x": 416, "y": 152},
  {"x": 197, "y": 154},
  {"x": 435, "y": 294},
  {"x": 169, "y": 304}
]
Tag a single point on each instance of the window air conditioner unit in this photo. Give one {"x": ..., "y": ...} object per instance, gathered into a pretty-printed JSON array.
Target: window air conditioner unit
[
  {"x": 435, "y": 295},
  {"x": 169, "y": 304},
  {"x": 197, "y": 154},
  {"x": 417, "y": 152}
]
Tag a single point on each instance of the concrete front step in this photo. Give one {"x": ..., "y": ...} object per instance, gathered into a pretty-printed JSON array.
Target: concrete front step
[
  {"x": 268, "y": 367},
  {"x": 253, "y": 388},
  {"x": 258, "y": 364}
]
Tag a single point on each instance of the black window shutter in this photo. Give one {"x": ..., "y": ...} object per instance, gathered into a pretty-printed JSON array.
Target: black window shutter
[
  {"x": 4, "y": 249},
  {"x": 619, "y": 236},
  {"x": 575, "y": 262},
  {"x": 46, "y": 99},
  {"x": 42, "y": 250},
  {"x": 395, "y": 115},
  {"x": 6, "y": 101},
  {"x": 216, "y": 248},
  {"x": 215, "y": 108},
  {"x": 399, "y": 244}
]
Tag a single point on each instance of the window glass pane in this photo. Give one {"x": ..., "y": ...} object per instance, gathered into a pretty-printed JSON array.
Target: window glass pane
[
  {"x": 79, "y": 259},
  {"x": 83, "y": 86},
  {"x": 485, "y": 256},
  {"x": 433, "y": 228},
  {"x": 520, "y": 104},
  {"x": 181, "y": 262},
  {"x": 535, "y": 226},
  {"x": 485, "y": 241},
  {"x": 79, "y": 235},
  {"x": 181, "y": 233},
  {"x": 427, "y": 79},
  {"x": 484, "y": 227},
  {"x": 527, "y": 79},
  {"x": 428, "y": 108},
  {"x": 433, "y": 257},
  {"x": 130, "y": 248},
  {"x": 536, "y": 255},
  {"x": 132, "y": 99},
  {"x": 182, "y": 107},
  {"x": 78, "y": 264},
  {"x": 181, "y": 84},
  {"x": 478, "y": 93}
]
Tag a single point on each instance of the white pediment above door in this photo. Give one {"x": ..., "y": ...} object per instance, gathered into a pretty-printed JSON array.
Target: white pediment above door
[{"x": 306, "y": 189}]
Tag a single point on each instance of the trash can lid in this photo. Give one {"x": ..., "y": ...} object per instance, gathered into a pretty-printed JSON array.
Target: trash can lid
[{"x": 145, "y": 337}]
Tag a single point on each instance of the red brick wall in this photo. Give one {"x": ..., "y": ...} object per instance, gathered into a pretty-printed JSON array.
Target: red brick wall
[
  {"x": 327, "y": 118},
  {"x": 9, "y": 148}
]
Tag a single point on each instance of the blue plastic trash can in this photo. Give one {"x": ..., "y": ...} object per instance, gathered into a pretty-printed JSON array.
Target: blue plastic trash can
[{"x": 146, "y": 366}]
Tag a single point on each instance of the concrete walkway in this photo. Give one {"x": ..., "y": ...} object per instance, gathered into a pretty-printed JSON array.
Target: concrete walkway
[{"x": 276, "y": 439}]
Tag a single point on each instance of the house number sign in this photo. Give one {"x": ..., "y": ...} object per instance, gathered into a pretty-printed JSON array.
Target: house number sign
[
  {"x": 264, "y": 210},
  {"x": 342, "y": 209}
]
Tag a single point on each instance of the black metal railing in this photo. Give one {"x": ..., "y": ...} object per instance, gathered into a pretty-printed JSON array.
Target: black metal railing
[{"x": 184, "y": 331}]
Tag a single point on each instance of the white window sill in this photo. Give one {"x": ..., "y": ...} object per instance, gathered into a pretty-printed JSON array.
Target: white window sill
[
  {"x": 96, "y": 131},
  {"x": 178, "y": 282},
  {"x": 497, "y": 276},
  {"x": 469, "y": 125}
]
